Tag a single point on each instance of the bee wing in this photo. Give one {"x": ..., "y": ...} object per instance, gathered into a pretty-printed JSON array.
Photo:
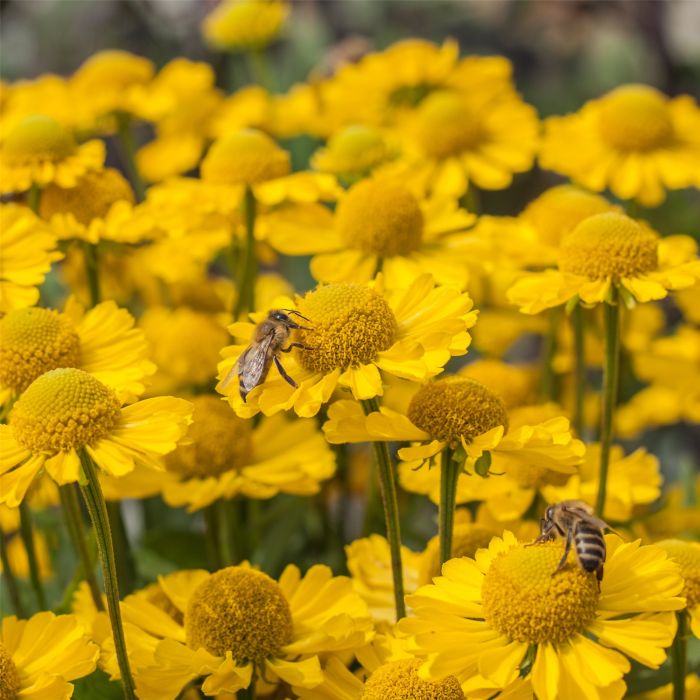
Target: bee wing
[
  {"x": 584, "y": 513},
  {"x": 234, "y": 371},
  {"x": 254, "y": 363}
]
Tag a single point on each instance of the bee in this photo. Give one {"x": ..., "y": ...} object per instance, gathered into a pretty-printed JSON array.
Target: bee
[
  {"x": 269, "y": 340},
  {"x": 574, "y": 521}
]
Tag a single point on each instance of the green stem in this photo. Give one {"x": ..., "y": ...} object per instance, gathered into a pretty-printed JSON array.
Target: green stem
[
  {"x": 128, "y": 148},
  {"x": 249, "y": 692},
  {"x": 26, "y": 531},
  {"x": 122, "y": 551},
  {"x": 579, "y": 367},
  {"x": 92, "y": 272},
  {"x": 390, "y": 502},
  {"x": 611, "y": 370},
  {"x": 229, "y": 535},
  {"x": 95, "y": 502},
  {"x": 549, "y": 381},
  {"x": 33, "y": 198},
  {"x": 211, "y": 523},
  {"x": 449, "y": 474},
  {"x": 246, "y": 280},
  {"x": 258, "y": 69},
  {"x": 679, "y": 655},
  {"x": 8, "y": 576}
]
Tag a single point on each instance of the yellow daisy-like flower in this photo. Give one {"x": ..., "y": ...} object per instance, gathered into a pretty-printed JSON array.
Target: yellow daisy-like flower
[
  {"x": 511, "y": 611},
  {"x": 381, "y": 225},
  {"x": 238, "y": 623},
  {"x": 244, "y": 25},
  {"x": 67, "y": 410},
  {"x": 687, "y": 556},
  {"x": 358, "y": 330},
  {"x": 635, "y": 141},
  {"x": 27, "y": 249},
  {"x": 39, "y": 151},
  {"x": 40, "y": 655},
  {"x": 17, "y": 552},
  {"x": 606, "y": 251},
  {"x": 102, "y": 342}
]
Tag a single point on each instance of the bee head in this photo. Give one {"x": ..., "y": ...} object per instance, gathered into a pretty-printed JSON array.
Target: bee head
[
  {"x": 549, "y": 513},
  {"x": 283, "y": 316}
]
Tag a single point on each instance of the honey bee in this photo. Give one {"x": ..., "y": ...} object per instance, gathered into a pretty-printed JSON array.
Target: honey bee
[
  {"x": 574, "y": 521},
  {"x": 269, "y": 340}
]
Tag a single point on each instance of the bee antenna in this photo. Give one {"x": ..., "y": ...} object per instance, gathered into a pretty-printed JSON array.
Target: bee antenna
[{"x": 296, "y": 313}]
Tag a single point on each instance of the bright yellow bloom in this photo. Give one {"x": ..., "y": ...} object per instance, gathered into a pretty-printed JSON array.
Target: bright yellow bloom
[
  {"x": 67, "y": 410},
  {"x": 687, "y": 556},
  {"x": 358, "y": 330},
  {"x": 40, "y": 655},
  {"x": 17, "y": 552},
  {"x": 39, "y": 151},
  {"x": 635, "y": 141},
  {"x": 27, "y": 249},
  {"x": 510, "y": 612}
]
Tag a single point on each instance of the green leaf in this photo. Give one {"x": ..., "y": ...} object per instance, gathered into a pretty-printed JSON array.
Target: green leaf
[{"x": 97, "y": 686}]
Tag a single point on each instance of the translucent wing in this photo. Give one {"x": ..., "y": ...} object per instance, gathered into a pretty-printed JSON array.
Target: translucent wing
[{"x": 254, "y": 364}]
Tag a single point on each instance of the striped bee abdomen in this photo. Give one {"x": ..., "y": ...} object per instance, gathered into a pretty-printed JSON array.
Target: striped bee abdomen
[{"x": 590, "y": 546}]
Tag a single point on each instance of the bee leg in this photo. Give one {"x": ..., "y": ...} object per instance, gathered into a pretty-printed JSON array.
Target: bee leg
[
  {"x": 283, "y": 372},
  {"x": 599, "y": 575},
  {"x": 545, "y": 534},
  {"x": 567, "y": 549},
  {"x": 301, "y": 346}
]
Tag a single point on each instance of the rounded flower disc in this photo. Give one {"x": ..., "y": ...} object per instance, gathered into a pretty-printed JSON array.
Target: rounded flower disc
[
  {"x": 399, "y": 679},
  {"x": 352, "y": 152},
  {"x": 687, "y": 556}
]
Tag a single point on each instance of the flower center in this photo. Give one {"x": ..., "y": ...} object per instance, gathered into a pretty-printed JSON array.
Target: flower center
[
  {"x": 609, "y": 245},
  {"x": 38, "y": 138},
  {"x": 381, "y": 218},
  {"x": 635, "y": 118},
  {"x": 64, "y": 409},
  {"x": 156, "y": 596},
  {"x": 397, "y": 680},
  {"x": 410, "y": 95},
  {"x": 245, "y": 158},
  {"x": 446, "y": 126},
  {"x": 528, "y": 600},
  {"x": 239, "y": 610},
  {"x": 91, "y": 199},
  {"x": 353, "y": 150},
  {"x": 9, "y": 676},
  {"x": 557, "y": 211},
  {"x": 33, "y": 341},
  {"x": 456, "y": 407},
  {"x": 512, "y": 384},
  {"x": 220, "y": 441},
  {"x": 687, "y": 556},
  {"x": 351, "y": 324}
]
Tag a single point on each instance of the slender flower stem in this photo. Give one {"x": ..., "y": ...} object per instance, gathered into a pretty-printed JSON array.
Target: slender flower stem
[
  {"x": 26, "y": 531},
  {"x": 126, "y": 141},
  {"x": 229, "y": 535},
  {"x": 611, "y": 371},
  {"x": 92, "y": 272},
  {"x": 548, "y": 389},
  {"x": 211, "y": 530},
  {"x": 577, "y": 320},
  {"x": 122, "y": 551},
  {"x": 679, "y": 656},
  {"x": 95, "y": 502},
  {"x": 8, "y": 576},
  {"x": 246, "y": 279},
  {"x": 33, "y": 198},
  {"x": 450, "y": 469},
  {"x": 390, "y": 502},
  {"x": 76, "y": 530}
]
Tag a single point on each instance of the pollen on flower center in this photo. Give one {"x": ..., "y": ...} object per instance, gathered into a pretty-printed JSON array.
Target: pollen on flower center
[
  {"x": 446, "y": 126},
  {"x": 456, "y": 407},
  {"x": 9, "y": 676},
  {"x": 38, "y": 138},
  {"x": 64, "y": 409},
  {"x": 351, "y": 324},
  {"x": 635, "y": 118},
  {"x": 687, "y": 556},
  {"x": 609, "y": 244},
  {"x": 220, "y": 441},
  {"x": 528, "y": 600},
  {"x": 239, "y": 610},
  {"x": 397, "y": 680},
  {"x": 380, "y": 217},
  {"x": 33, "y": 341}
]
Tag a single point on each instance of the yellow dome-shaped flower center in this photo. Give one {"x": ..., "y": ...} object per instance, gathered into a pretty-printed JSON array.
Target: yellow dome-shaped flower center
[
  {"x": 353, "y": 150},
  {"x": 33, "y": 341},
  {"x": 527, "y": 601},
  {"x": 64, "y": 409},
  {"x": 9, "y": 676},
  {"x": 91, "y": 199},
  {"x": 245, "y": 24},
  {"x": 635, "y": 118},
  {"x": 513, "y": 384},
  {"x": 687, "y": 556},
  {"x": 220, "y": 441},
  {"x": 560, "y": 209},
  {"x": 446, "y": 126},
  {"x": 351, "y": 324},
  {"x": 38, "y": 138},
  {"x": 456, "y": 407},
  {"x": 609, "y": 245},
  {"x": 156, "y": 596},
  {"x": 245, "y": 158},
  {"x": 398, "y": 680},
  {"x": 380, "y": 217},
  {"x": 239, "y": 610}
]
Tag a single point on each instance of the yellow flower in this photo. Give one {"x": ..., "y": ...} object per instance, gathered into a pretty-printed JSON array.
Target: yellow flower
[
  {"x": 238, "y": 622},
  {"x": 40, "y": 655},
  {"x": 67, "y": 410},
  {"x": 604, "y": 251},
  {"x": 27, "y": 249},
  {"x": 381, "y": 225},
  {"x": 515, "y": 384},
  {"x": 102, "y": 342},
  {"x": 635, "y": 141},
  {"x": 687, "y": 556},
  {"x": 510, "y": 612},
  {"x": 665, "y": 692},
  {"x": 358, "y": 330},
  {"x": 244, "y": 25},
  {"x": 39, "y": 151},
  {"x": 15, "y": 549}
]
